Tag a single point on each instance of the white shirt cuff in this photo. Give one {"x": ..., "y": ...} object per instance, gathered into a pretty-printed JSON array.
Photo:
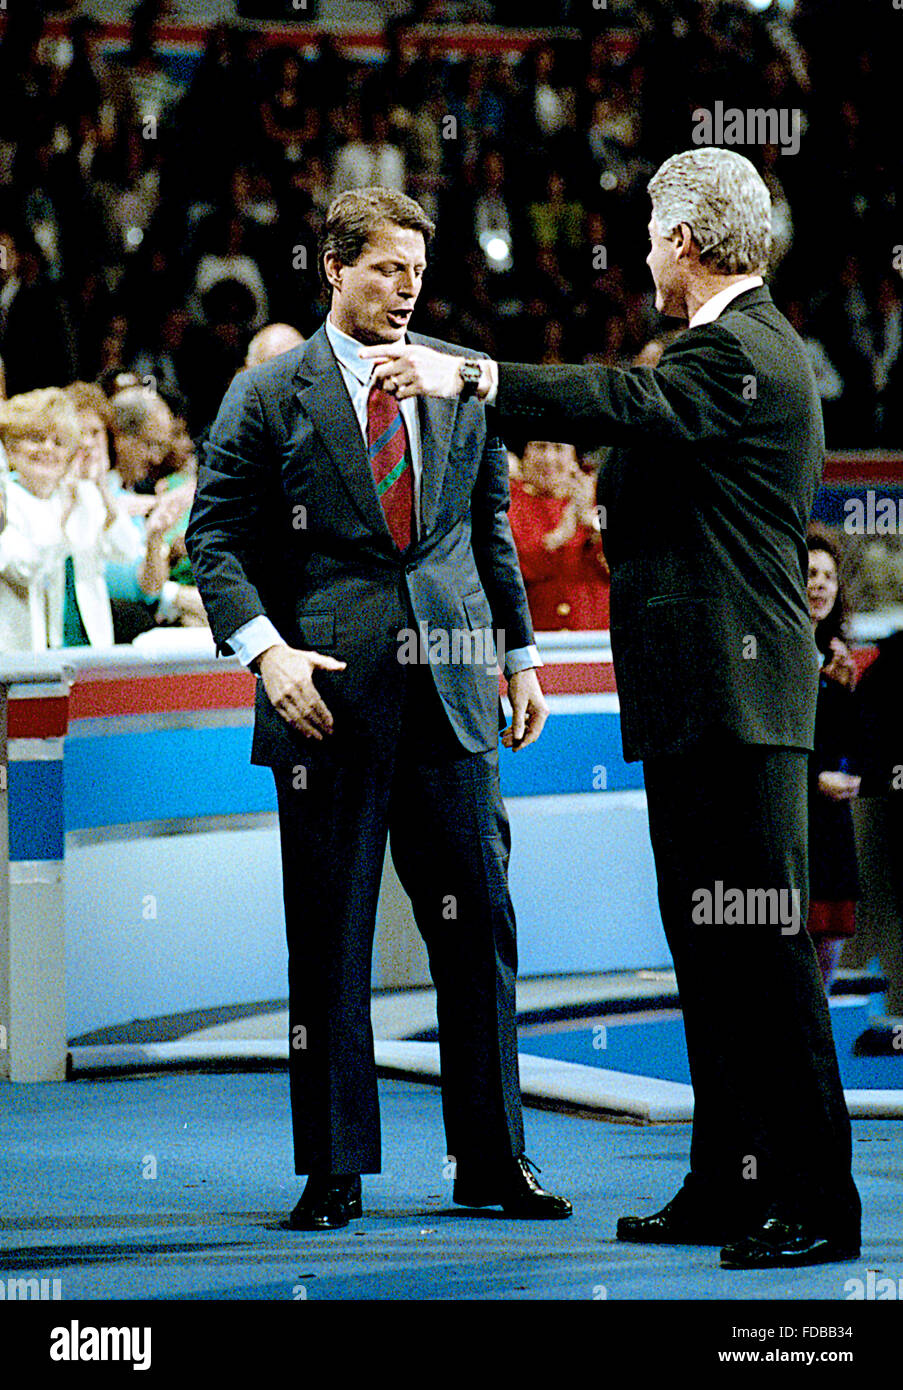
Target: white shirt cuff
[
  {"x": 252, "y": 638},
  {"x": 489, "y": 399},
  {"x": 521, "y": 659}
]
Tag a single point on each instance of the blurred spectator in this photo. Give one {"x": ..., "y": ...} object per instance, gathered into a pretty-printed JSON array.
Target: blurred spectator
[
  {"x": 156, "y": 471},
  {"x": 491, "y": 217},
  {"x": 63, "y": 523},
  {"x": 479, "y": 115},
  {"x": 833, "y": 877},
  {"x": 368, "y": 158},
  {"x": 37, "y": 438},
  {"x": 289, "y": 123},
  {"x": 781, "y": 216},
  {"x": 142, "y": 433},
  {"x": 272, "y": 341},
  {"x": 164, "y": 365},
  {"x": 884, "y": 348},
  {"x": 550, "y": 99},
  {"x": 421, "y": 131},
  {"x": 229, "y": 261},
  {"x": 557, "y": 221},
  {"x": 101, "y": 531},
  {"x": 180, "y": 601},
  {"x": 827, "y": 377},
  {"x": 555, "y": 526},
  {"x": 878, "y": 818},
  {"x": 152, "y": 93},
  {"x": 35, "y": 346}
]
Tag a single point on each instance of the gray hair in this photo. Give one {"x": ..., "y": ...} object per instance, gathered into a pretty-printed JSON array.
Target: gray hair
[
  {"x": 723, "y": 200},
  {"x": 132, "y": 408}
]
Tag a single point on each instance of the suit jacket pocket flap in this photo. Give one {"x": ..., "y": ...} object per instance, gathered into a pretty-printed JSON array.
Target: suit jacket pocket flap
[
  {"x": 316, "y": 630},
  {"x": 479, "y": 614}
]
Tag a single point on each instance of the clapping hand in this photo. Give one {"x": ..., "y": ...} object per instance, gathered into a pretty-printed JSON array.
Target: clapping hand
[
  {"x": 841, "y": 667},
  {"x": 167, "y": 510}
]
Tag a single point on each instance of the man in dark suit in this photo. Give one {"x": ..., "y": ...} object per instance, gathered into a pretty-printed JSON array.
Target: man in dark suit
[
  {"x": 706, "y": 501},
  {"x": 337, "y": 536}
]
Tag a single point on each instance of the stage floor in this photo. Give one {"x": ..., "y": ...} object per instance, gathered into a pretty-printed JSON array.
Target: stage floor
[{"x": 172, "y": 1186}]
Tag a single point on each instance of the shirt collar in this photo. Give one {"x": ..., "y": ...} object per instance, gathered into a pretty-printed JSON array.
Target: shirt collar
[
  {"x": 709, "y": 311},
  {"x": 348, "y": 353}
]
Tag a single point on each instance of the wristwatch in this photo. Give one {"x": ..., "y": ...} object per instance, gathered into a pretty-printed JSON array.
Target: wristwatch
[{"x": 471, "y": 374}]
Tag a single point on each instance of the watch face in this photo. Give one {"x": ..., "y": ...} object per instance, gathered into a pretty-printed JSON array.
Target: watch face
[{"x": 470, "y": 372}]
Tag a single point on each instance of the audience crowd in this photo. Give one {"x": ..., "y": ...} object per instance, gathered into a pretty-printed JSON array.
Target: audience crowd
[{"x": 157, "y": 215}]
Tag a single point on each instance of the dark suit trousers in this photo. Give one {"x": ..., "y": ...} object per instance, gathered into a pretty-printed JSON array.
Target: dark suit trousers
[
  {"x": 442, "y": 811},
  {"x": 770, "y": 1121}
]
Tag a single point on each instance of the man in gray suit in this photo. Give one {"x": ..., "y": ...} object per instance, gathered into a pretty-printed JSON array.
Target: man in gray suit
[
  {"x": 358, "y": 557},
  {"x": 707, "y": 497}
]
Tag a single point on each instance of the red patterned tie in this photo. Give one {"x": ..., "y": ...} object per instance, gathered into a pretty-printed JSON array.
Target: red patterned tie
[{"x": 389, "y": 458}]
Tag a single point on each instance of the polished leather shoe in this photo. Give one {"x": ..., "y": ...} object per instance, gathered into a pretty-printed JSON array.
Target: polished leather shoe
[
  {"x": 878, "y": 1042},
  {"x": 780, "y": 1243},
  {"x": 517, "y": 1193},
  {"x": 327, "y": 1204},
  {"x": 681, "y": 1222}
]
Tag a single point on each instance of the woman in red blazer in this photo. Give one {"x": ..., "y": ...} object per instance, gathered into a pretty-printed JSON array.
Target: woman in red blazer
[{"x": 555, "y": 526}]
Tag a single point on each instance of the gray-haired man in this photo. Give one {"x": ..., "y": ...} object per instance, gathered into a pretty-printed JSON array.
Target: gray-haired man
[{"x": 707, "y": 498}]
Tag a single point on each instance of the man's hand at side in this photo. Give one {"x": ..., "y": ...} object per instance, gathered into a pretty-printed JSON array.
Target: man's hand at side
[
  {"x": 529, "y": 710},
  {"x": 287, "y": 676}
]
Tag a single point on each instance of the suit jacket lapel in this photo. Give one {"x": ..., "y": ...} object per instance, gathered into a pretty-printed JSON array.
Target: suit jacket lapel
[
  {"x": 437, "y": 418},
  {"x": 325, "y": 399},
  {"x": 436, "y": 421}
]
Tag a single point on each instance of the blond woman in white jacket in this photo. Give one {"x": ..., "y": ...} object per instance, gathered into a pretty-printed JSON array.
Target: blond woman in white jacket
[{"x": 53, "y": 512}]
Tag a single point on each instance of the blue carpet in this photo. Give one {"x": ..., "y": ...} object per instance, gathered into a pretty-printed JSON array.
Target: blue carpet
[
  {"x": 172, "y": 1187},
  {"x": 657, "y": 1048}
]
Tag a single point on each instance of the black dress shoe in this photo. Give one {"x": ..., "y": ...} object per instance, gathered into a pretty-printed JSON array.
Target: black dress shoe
[
  {"x": 327, "y": 1204},
  {"x": 780, "y": 1243},
  {"x": 517, "y": 1193},
  {"x": 878, "y": 1042},
  {"x": 681, "y": 1222}
]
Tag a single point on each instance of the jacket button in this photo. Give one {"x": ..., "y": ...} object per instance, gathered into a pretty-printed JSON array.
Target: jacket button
[{"x": 563, "y": 610}]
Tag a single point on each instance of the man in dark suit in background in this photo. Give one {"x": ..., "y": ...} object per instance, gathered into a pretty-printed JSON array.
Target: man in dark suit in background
[
  {"x": 707, "y": 498},
  {"x": 358, "y": 556}
]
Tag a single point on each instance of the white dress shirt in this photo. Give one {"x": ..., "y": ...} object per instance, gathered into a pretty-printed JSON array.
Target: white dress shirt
[
  {"x": 254, "y": 637},
  {"x": 709, "y": 311}
]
